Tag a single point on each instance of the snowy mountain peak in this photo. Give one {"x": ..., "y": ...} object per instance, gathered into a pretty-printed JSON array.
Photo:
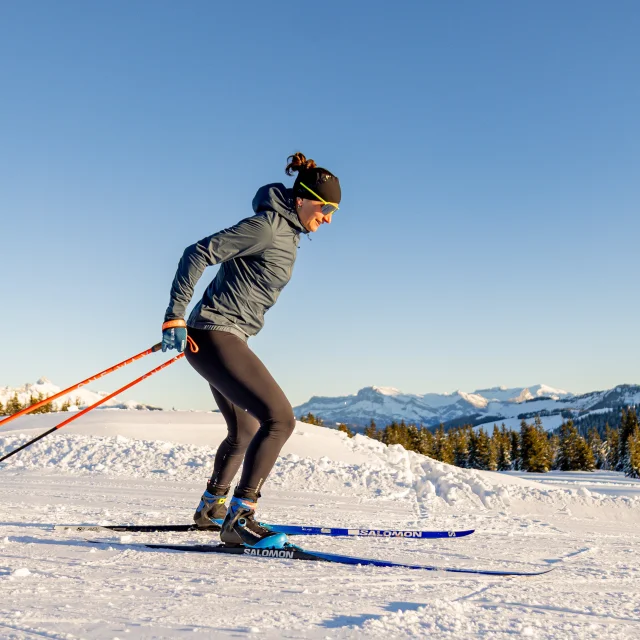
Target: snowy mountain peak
[
  {"x": 524, "y": 396},
  {"x": 474, "y": 400},
  {"x": 388, "y": 391},
  {"x": 544, "y": 390}
]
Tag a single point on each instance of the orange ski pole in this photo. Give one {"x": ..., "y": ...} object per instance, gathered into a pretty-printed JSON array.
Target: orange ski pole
[
  {"x": 193, "y": 347},
  {"x": 156, "y": 347}
]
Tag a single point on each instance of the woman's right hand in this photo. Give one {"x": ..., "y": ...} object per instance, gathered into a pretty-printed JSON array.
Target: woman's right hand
[{"x": 174, "y": 335}]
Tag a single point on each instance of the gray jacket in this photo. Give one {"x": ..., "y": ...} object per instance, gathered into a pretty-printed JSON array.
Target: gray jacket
[{"x": 256, "y": 259}]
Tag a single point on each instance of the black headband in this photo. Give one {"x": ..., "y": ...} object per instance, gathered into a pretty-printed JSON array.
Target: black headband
[{"x": 320, "y": 181}]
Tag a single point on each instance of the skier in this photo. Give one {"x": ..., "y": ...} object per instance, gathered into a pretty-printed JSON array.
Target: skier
[{"x": 256, "y": 258}]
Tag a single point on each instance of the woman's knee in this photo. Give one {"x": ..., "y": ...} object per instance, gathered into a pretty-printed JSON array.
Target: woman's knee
[
  {"x": 282, "y": 424},
  {"x": 290, "y": 425},
  {"x": 287, "y": 424},
  {"x": 244, "y": 436}
]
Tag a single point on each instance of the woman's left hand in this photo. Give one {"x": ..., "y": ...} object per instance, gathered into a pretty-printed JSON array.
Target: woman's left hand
[{"x": 174, "y": 335}]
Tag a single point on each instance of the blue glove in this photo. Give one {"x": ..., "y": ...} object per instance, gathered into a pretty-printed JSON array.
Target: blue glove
[{"x": 174, "y": 338}]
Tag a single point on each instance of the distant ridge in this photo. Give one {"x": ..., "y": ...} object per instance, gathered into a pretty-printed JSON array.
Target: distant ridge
[{"x": 386, "y": 404}]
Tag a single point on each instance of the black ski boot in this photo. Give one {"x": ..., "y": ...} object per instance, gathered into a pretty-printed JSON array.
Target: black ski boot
[
  {"x": 240, "y": 528},
  {"x": 211, "y": 511}
]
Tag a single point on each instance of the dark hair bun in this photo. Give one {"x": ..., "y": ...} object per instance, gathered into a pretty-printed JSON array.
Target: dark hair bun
[{"x": 298, "y": 162}]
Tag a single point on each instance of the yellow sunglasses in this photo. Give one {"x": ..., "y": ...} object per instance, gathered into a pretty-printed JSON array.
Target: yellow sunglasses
[{"x": 327, "y": 207}]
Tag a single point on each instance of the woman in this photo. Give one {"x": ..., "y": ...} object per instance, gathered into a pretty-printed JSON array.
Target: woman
[{"x": 256, "y": 258}]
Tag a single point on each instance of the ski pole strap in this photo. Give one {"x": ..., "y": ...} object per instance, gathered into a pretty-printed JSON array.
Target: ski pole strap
[
  {"x": 170, "y": 324},
  {"x": 192, "y": 345}
]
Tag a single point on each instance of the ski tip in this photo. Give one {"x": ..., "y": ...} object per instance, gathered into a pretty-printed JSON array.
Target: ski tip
[{"x": 529, "y": 574}]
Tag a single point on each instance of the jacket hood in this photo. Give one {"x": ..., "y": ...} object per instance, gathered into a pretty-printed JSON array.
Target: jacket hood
[{"x": 276, "y": 197}]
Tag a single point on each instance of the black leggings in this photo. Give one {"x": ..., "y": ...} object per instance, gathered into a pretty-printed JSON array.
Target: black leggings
[{"x": 258, "y": 415}]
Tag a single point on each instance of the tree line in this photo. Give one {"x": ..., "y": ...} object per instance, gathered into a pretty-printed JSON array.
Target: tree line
[
  {"x": 14, "y": 405},
  {"x": 531, "y": 448}
]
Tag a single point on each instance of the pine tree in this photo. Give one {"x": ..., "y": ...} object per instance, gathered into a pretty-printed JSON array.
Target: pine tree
[
  {"x": 501, "y": 444},
  {"x": 598, "y": 448},
  {"x": 472, "y": 443},
  {"x": 514, "y": 450},
  {"x": 459, "y": 443},
  {"x": 554, "y": 448},
  {"x": 65, "y": 405},
  {"x": 309, "y": 418},
  {"x": 535, "y": 449},
  {"x": 45, "y": 408},
  {"x": 396, "y": 434},
  {"x": 413, "y": 437},
  {"x": 372, "y": 431},
  {"x": 526, "y": 445},
  {"x": 628, "y": 425},
  {"x": 390, "y": 433},
  {"x": 442, "y": 446},
  {"x": 343, "y": 427},
  {"x": 493, "y": 454},
  {"x": 2, "y": 413},
  {"x": 14, "y": 405},
  {"x": 566, "y": 456},
  {"x": 425, "y": 446},
  {"x": 480, "y": 451},
  {"x": 574, "y": 453},
  {"x": 632, "y": 464},
  {"x": 612, "y": 437},
  {"x": 585, "y": 460},
  {"x": 546, "y": 453}
]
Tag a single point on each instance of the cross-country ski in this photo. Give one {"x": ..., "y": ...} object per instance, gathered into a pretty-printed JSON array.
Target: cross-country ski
[
  {"x": 292, "y": 552},
  {"x": 292, "y": 530}
]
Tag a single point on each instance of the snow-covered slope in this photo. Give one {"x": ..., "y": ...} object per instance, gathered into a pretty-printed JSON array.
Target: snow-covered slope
[
  {"x": 482, "y": 406},
  {"x": 83, "y": 395},
  {"x": 141, "y": 467},
  {"x": 182, "y": 445}
]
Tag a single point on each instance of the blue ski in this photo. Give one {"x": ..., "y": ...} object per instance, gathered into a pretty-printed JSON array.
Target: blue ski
[
  {"x": 292, "y": 530},
  {"x": 292, "y": 552}
]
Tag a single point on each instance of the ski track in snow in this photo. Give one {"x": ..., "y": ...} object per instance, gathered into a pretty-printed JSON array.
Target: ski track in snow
[{"x": 57, "y": 585}]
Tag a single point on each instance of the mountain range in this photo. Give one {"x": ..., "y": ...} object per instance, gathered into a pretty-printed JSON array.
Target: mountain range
[{"x": 386, "y": 404}]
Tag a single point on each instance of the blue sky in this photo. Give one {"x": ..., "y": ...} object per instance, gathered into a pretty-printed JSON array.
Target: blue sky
[{"x": 488, "y": 155}]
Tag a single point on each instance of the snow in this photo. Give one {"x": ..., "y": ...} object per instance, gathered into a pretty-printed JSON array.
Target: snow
[
  {"x": 474, "y": 400},
  {"x": 520, "y": 394},
  {"x": 140, "y": 467},
  {"x": 608, "y": 483},
  {"x": 387, "y": 391},
  {"x": 594, "y": 412},
  {"x": 548, "y": 422}
]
